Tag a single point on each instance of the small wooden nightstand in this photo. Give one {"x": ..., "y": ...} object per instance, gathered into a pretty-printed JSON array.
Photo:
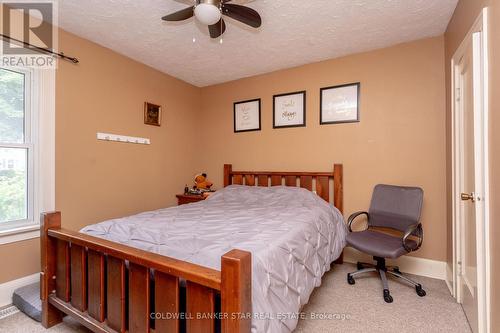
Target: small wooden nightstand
[{"x": 183, "y": 199}]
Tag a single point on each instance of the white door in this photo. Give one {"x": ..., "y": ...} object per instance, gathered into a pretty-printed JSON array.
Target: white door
[
  {"x": 467, "y": 264},
  {"x": 471, "y": 178}
]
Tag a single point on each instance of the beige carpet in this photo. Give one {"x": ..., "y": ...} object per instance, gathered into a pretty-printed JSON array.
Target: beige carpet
[
  {"x": 365, "y": 310},
  {"x": 339, "y": 307}
]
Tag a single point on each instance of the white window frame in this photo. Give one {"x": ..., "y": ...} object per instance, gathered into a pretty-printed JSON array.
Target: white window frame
[
  {"x": 29, "y": 144},
  {"x": 40, "y": 138}
]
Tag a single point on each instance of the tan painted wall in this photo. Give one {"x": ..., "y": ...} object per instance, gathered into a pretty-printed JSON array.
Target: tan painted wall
[
  {"x": 400, "y": 139},
  {"x": 466, "y": 13},
  {"x": 101, "y": 180}
]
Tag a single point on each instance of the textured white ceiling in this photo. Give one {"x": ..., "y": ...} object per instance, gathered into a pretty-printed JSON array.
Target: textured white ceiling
[{"x": 294, "y": 32}]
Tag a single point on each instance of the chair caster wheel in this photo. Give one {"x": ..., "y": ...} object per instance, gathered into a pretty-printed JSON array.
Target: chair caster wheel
[
  {"x": 359, "y": 266},
  {"x": 350, "y": 279},
  {"x": 420, "y": 291},
  {"x": 387, "y": 296},
  {"x": 396, "y": 270}
]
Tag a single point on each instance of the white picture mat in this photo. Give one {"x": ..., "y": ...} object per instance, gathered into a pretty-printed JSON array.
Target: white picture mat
[
  {"x": 289, "y": 110},
  {"x": 340, "y": 104},
  {"x": 247, "y": 115}
]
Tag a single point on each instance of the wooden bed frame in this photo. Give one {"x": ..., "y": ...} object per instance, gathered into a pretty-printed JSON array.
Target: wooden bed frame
[{"x": 106, "y": 286}]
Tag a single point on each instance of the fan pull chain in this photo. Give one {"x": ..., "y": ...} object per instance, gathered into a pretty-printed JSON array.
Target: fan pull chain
[
  {"x": 220, "y": 41},
  {"x": 195, "y": 2},
  {"x": 221, "y": 22}
]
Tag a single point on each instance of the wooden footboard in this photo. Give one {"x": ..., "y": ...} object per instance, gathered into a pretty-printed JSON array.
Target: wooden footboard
[{"x": 110, "y": 287}]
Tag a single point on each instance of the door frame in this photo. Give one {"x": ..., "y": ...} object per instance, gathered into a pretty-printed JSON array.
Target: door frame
[{"x": 478, "y": 36}]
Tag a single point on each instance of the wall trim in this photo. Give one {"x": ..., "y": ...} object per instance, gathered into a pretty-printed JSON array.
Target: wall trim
[
  {"x": 7, "y": 288},
  {"x": 413, "y": 265},
  {"x": 20, "y": 234}
]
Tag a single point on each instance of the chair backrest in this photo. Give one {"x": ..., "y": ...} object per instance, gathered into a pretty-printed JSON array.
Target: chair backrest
[{"x": 395, "y": 207}]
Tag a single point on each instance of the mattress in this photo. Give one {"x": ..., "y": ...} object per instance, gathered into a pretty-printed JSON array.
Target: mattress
[{"x": 292, "y": 233}]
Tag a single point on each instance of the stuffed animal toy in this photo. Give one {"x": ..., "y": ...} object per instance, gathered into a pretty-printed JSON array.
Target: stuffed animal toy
[{"x": 201, "y": 182}]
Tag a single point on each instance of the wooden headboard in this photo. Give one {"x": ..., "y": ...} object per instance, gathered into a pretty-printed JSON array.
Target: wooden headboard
[{"x": 287, "y": 178}]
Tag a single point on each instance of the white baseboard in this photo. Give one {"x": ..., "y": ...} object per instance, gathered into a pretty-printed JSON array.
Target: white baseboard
[
  {"x": 412, "y": 265},
  {"x": 7, "y": 288}
]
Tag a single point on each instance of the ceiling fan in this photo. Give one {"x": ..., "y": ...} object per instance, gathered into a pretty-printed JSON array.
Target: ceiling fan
[{"x": 210, "y": 12}]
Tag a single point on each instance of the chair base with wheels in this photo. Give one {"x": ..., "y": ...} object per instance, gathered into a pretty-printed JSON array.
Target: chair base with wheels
[{"x": 383, "y": 270}]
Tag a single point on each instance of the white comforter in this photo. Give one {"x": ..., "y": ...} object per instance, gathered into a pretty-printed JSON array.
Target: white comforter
[{"x": 293, "y": 236}]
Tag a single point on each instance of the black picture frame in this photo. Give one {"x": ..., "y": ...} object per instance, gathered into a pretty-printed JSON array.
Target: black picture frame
[
  {"x": 358, "y": 93},
  {"x": 234, "y": 115},
  {"x": 304, "y": 109}
]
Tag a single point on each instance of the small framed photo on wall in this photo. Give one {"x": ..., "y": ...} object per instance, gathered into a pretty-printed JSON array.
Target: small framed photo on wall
[
  {"x": 340, "y": 104},
  {"x": 152, "y": 114},
  {"x": 289, "y": 110},
  {"x": 247, "y": 116}
]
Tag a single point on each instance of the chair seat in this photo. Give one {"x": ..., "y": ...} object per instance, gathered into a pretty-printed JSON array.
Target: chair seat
[{"x": 378, "y": 244}]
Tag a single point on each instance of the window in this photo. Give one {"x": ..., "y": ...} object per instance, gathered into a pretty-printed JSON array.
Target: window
[
  {"x": 27, "y": 150},
  {"x": 17, "y": 150}
]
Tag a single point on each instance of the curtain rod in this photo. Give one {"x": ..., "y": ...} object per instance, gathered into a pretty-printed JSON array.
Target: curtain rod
[{"x": 41, "y": 49}]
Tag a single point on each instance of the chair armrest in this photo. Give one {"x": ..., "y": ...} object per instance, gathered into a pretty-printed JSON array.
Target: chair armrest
[
  {"x": 353, "y": 216},
  {"x": 410, "y": 231}
]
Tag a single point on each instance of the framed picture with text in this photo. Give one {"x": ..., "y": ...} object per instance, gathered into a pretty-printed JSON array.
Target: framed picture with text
[
  {"x": 339, "y": 104},
  {"x": 247, "y": 116},
  {"x": 289, "y": 110}
]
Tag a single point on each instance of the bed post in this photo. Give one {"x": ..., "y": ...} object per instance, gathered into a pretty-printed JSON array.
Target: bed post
[
  {"x": 228, "y": 168},
  {"x": 236, "y": 291},
  {"x": 50, "y": 315},
  {"x": 338, "y": 196},
  {"x": 338, "y": 188}
]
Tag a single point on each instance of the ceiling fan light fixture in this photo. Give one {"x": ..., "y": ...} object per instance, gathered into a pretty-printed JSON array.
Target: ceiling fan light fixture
[{"x": 208, "y": 14}]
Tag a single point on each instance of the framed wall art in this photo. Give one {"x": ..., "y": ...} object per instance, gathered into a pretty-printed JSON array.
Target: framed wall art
[
  {"x": 289, "y": 110},
  {"x": 339, "y": 104},
  {"x": 247, "y": 116},
  {"x": 152, "y": 114}
]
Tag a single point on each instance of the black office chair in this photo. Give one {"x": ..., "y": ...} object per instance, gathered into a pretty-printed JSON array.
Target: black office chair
[{"x": 393, "y": 207}]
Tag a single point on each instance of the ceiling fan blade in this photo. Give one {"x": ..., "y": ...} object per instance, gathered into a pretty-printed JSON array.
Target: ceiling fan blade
[
  {"x": 181, "y": 15},
  {"x": 243, "y": 14},
  {"x": 217, "y": 29}
]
